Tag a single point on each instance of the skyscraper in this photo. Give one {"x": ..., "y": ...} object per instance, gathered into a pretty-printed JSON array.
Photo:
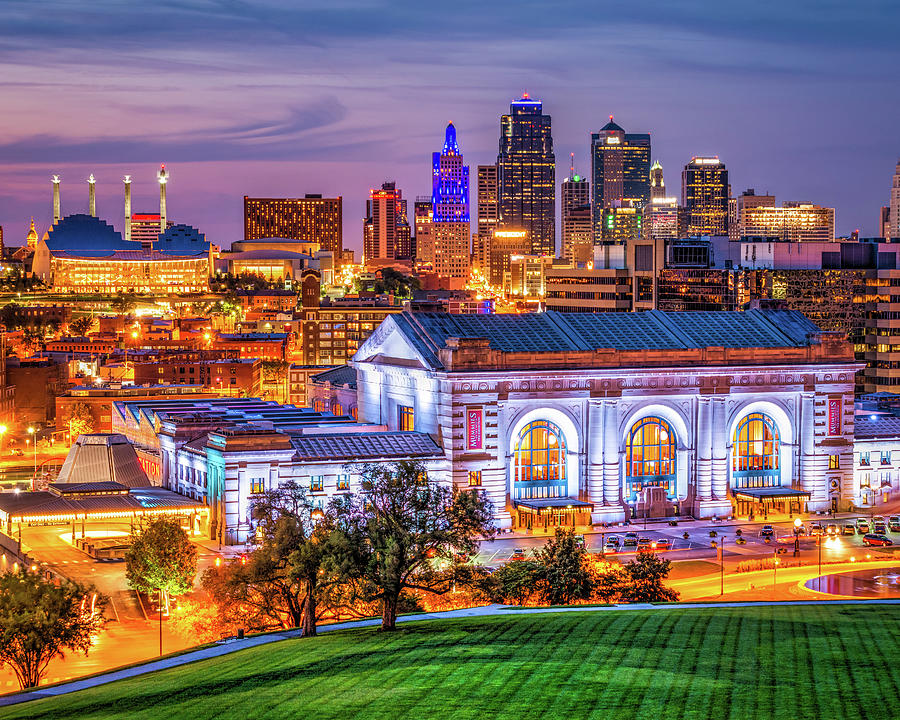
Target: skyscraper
[
  {"x": 704, "y": 196},
  {"x": 895, "y": 203},
  {"x": 657, "y": 182},
  {"x": 308, "y": 219},
  {"x": 386, "y": 227},
  {"x": 620, "y": 169},
  {"x": 577, "y": 232},
  {"x": 527, "y": 174},
  {"x": 423, "y": 217},
  {"x": 488, "y": 215},
  {"x": 450, "y": 204}
]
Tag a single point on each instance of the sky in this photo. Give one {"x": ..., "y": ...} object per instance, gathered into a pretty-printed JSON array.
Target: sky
[{"x": 278, "y": 98}]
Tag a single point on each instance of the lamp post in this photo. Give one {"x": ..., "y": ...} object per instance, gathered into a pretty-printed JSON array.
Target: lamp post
[
  {"x": 798, "y": 523},
  {"x": 819, "y": 578},
  {"x": 31, "y": 432},
  {"x": 3, "y": 430},
  {"x": 722, "y": 566},
  {"x": 775, "y": 574}
]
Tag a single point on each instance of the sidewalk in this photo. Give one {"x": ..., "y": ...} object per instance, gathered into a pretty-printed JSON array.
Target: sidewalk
[{"x": 483, "y": 611}]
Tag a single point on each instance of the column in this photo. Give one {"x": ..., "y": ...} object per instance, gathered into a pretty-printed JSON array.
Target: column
[
  {"x": 704, "y": 449},
  {"x": 612, "y": 483},
  {"x": 719, "y": 441},
  {"x": 812, "y": 476},
  {"x": 594, "y": 436}
]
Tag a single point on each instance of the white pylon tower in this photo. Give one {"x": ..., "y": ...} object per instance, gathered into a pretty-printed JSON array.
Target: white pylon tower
[
  {"x": 127, "y": 207},
  {"x": 55, "y": 199},
  {"x": 163, "y": 177},
  {"x": 92, "y": 196}
]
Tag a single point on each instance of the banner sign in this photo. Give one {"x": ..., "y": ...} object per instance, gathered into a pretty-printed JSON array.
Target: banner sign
[
  {"x": 834, "y": 416},
  {"x": 474, "y": 428}
]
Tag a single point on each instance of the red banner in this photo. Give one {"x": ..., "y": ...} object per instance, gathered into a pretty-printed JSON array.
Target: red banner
[
  {"x": 474, "y": 430},
  {"x": 834, "y": 416}
]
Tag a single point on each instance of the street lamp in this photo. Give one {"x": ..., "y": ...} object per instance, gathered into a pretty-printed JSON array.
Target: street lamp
[
  {"x": 798, "y": 523},
  {"x": 722, "y": 566},
  {"x": 31, "y": 432},
  {"x": 3, "y": 430}
]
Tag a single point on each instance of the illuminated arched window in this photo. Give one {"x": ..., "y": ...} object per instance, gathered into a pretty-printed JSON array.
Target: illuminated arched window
[
  {"x": 540, "y": 462},
  {"x": 755, "y": 457},
  {"x": 650, "y": 457}
]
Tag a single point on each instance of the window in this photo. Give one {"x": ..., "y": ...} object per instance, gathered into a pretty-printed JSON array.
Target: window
[
  {"x": 864, "y": 459},
  {"x": 756, "y": 455},
  {"x": 650, "y": 457},
  {"x": 257, "y": 486},
  {"x": 319, "y": 405},
  {"x": 343, "y": 482},
  {"x": 474, "y": 478},
  {"x": 885, "y": 457},
  {"x": 834, "y": 462},
  {"x": 317, "y": 483},
  {"x": 540, "y": 462},
  {"x": 405, "y": 418}
]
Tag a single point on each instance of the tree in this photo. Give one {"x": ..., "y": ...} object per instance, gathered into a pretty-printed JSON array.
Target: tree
[
  {"x": 81, "y": 326},
  {"x": 566, "y": 575},
  {"x": 402, "y": 525},
  {"x": 287, "y": 575},
  {"x": 123, "y": 303},
  {"x": 38, "y": 620},
  {"x": 161, "y": 557},
  {"x": 644, "y": 579},
  {"x": 80, "y": 420},
  {"x": 514, "y": 582}
]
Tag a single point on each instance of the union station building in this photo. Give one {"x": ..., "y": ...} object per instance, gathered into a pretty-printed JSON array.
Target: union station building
[{"x": 569, "y": 419}]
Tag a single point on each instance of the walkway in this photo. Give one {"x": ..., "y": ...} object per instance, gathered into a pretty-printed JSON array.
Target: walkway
[{"x": 232, "y": 646}]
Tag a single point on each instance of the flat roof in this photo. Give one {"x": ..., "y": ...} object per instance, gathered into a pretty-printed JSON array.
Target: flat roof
[{"x": 765, "y": 493}]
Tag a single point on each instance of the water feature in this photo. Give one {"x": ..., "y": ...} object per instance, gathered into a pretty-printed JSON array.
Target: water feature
[{"x": 877, "y": 583}]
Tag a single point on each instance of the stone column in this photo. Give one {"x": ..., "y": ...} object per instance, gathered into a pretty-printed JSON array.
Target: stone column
[
  {"x": 812, "y": 471},
  {"x": 594, "y": 438},
  {"x": 719, "y": 439},
  {"x": 612, "y": 483},
  {"x": 704, "y": 449}
]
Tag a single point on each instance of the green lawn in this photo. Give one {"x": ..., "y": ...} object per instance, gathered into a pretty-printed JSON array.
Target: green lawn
[{"x": 822, "y": 662}]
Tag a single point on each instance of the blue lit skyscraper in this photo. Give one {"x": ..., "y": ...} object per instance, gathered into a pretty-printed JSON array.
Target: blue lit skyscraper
[{"x": 450, "y": 220}]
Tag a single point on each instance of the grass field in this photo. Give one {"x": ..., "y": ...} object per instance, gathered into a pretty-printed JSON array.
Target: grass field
[{"x": 822, "y": 662}]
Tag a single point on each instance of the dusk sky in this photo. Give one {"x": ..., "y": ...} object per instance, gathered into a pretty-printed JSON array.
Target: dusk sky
[{"x": 270, "y": 98}]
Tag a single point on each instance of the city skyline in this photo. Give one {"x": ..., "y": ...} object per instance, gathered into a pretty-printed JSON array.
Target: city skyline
[{"x": 115, "y": 94}]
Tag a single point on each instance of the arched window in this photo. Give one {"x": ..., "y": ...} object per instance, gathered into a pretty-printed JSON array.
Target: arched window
[
  {"x": 540, "y": 462},
  {"x": 756, "y": 455},
  {"x": 650, "y": 457}
]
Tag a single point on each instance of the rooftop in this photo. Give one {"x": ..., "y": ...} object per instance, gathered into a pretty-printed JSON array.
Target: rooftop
[
  {"x": 342, "y": 375},
  {"x": 365, "y": 446}
]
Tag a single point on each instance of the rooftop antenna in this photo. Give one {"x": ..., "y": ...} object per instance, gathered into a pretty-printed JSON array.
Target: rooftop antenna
[{"x": 572, "y": 165}]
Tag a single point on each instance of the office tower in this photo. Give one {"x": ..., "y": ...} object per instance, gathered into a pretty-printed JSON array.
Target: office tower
[
  {"x": 312, "y": 219},
  {"x": 663, "y": 218},
  {"x": 657, "y": 183},
  {"x": 792, "y": 222},
  {"x": 386, "y": 227},
  {"x": 745, "y": 201},
  {"x": 884, "y": 222},
  {"x": 488, "y": 214},
  {"x": 895, "y": 203},
  {"x": 704, "y": 196},
  {"x": 423, "y": 218},
  {"x": 577, "y": 228},
  {"x": 621, "y": 224},
  {"x": 505, "y": 242},
  {"x": 620, "y": 169},
  {"x": 450, "y": 205},
  {"x": 527, "y": 174}
]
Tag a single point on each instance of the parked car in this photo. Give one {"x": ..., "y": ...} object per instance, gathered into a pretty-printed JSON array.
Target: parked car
[
  {"x": 876, "y": 539},
  {"x": 741, "y": 541},
  {"x": 894, "y": 523},
  {"x": 877, "y": 518},
  {"x": 862, "y": 526},
  {"x": 815, "y": 529},
  {"x": 848, "y": 529},
  {"x": 879, "y": 528},
  {"x": 767, "y": 531},
  {"x": 631, "y": 539},
  {"x": 663, "y": 544},
  {"x": 645, "y": 543},
  {"x": 613, "y": 542},
  {"x": 831, "y": 529},
  {"x": 518, "y": 554}
]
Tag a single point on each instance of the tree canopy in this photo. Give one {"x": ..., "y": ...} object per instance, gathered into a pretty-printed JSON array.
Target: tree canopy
[{"x": 161, "y": 557}]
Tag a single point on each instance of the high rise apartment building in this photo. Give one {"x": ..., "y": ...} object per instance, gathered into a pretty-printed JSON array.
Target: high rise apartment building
[
  {"x": 577, "y": 227},
  {"x": 895, "y": 204},
  {"x": 527, "y": 171},
  {"x": 386, "y": 229},
  {"x": 620, "y": 171},
  {"x": 704, "y": 196},
  {"x": 488, "y": 214},
  {"x": 311, "y": 219},
  {"x": 423, "y": 221},
  {"x": 450, "y": 208},
  {"x": 792, "y": 222}
]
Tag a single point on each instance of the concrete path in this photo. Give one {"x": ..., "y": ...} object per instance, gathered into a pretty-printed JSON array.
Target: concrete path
[{"x": 232, "y": 646}]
